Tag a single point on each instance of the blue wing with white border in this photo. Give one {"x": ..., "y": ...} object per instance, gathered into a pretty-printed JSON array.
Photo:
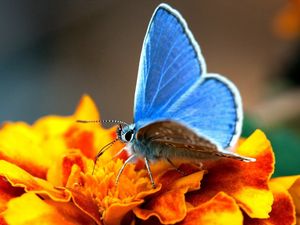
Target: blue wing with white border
[{"x": 173, "y": 84}]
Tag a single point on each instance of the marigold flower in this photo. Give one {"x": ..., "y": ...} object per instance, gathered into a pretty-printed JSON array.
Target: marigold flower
[{"x": 46, "y": 178}]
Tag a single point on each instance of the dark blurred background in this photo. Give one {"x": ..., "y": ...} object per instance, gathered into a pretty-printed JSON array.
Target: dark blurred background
[{"x": 52, "y": 52}]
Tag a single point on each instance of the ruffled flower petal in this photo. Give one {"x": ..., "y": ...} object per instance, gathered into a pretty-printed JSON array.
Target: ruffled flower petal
[
  {"x": 23, "y": 146},
  {"x": 283, "y": 209},
  {"x": 7, "y": 192},
  {"x": 59, "y": 173},
  {"x": 169, "y": 205},
  {"x": 244, "y": 181},
  {"x": 220, "y": 210},
  {"x": 30, "y": 209},
  {"x": 89, "y": 137},
  {"x": 98, "y": 195},
  {"x": 292, "y": 185},
  {"x": 18, "y": 177},
  {"x": 41, "y": 144}
]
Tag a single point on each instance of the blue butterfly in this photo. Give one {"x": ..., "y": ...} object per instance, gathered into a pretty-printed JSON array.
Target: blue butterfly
[{"x": 180, "y": 110}]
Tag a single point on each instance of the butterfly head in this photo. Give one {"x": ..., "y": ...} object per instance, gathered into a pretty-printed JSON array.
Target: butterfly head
[{"x": 126, "y": 133}]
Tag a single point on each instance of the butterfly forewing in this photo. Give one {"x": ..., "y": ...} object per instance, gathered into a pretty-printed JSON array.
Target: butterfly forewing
[{"x": 169, "y": 53}]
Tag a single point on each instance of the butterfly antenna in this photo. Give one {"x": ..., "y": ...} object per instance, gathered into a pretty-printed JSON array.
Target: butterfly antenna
[
  {"x": 102, "y": 150},
  {"x": 102, "y": 121},
  {"x": 115, "y": 121}
]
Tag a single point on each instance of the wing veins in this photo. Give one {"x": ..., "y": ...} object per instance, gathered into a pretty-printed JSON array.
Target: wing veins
[
  {"x": 154, "y": 55},
  {"x": 175, "y": 94},
  {"x": 168, "y": 81}
]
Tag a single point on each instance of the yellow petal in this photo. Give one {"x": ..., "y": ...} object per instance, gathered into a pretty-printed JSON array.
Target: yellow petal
[
  {"x": 292, "y": 185},
  {"x": 87, "y": 109},
  {"x": 283, "y": 210},
  {"x": 255, "y": 145},
  {"x": 31, "y": 210},
  {"x": 116, "y": 212},
  {"x": 20, "y": 144},
  {"x": 20, "y": 178}
]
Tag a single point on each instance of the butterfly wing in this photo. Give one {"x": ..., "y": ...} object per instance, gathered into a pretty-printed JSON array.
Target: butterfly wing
[
  {"x": 170, "y": 139},
  {"x": 169, "y": 55},
  {"x": 173, "y": 85},
  {"x": 212, "y": 108}
]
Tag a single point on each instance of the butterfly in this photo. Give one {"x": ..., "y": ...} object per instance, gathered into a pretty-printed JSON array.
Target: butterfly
[{"x": 180, "y": 110}]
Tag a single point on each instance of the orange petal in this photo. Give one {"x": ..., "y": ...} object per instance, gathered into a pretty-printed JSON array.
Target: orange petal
[
  {"x": 18, "y": 177},
  {"x": 169, "y": 208},
  {"x": 86, "y": 204},
  {"x": 283, "y": 210},
  {"x": 60, "y": 172},
  {"x": 83, "y": 136},
  {"x": 220, "y": 210},
  {"x": 81, "y": 139},
  {"x": 32, "y": 210},
  {"x": 98, "y": 196},
  {"x": 72, "y": 134},
  {"x": 246, "y": 182},
  {"x": 169, "y": 205},
  {"x": 90, "y": 138},
  {"x": 292, "y": 185},
  {"x": 116, "y": 212}
]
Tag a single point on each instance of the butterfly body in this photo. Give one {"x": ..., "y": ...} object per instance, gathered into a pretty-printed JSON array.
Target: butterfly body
[{"x": 170, "y": 140}]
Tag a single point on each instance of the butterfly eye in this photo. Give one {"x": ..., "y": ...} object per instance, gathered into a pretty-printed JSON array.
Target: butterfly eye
[{"x": 128, "y": 135}]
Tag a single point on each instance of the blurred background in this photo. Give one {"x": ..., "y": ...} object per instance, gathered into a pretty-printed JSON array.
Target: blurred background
[{"x": 52, "y": 52}]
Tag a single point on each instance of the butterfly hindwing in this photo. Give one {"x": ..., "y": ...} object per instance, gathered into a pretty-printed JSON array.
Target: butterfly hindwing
[
  {"x": 170, "y": 139},
  {"x": 169, "y": 54},
  {"x": 212, "y": 108}
]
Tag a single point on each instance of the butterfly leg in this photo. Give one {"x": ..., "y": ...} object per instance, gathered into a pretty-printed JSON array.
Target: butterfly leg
[
  {"x": 123, "y": 167},
  {"x": 176, "y": 168},
  {"x": 105, "y": 147},
  {"x": 149, "y": 171}
]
